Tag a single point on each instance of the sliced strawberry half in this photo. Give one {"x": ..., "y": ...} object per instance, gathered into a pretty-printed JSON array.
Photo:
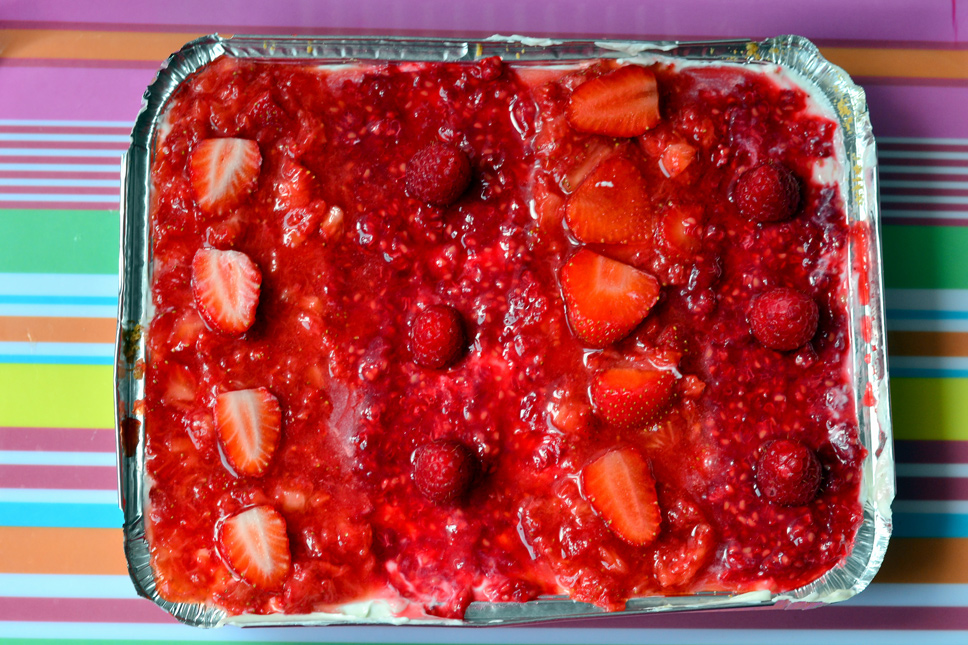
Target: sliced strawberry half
[
  {"x": 256, "y": 546},
  {"x": 223, "y": 172},
  {"x": 622, "y": 103},
  {"x": 629, "y": 398},
  {"x": 611, "y": 206},
  {"x": 226, "y": 286},
  {"x": 606, "y": 299},
  {"x": 249, "y": 424},
  {"x": 621, "y": 489}
]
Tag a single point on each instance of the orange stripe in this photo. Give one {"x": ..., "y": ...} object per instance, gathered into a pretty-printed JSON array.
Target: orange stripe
[
  {"x": 154, "y": 46},
  {"x": 926, "y": 560},
  {"x": 61, "y": 550},
  {"x": 923, "y": 343},
  {"x": 57, "y": 330}
]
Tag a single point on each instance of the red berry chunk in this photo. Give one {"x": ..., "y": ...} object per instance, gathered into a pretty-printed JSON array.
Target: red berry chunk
[
  {"x": 256, "y": 546},
  {"x": 226, "y": 286},
  {"x": 621, "y": 488},
  {"x": 438, "y": 174},
  {"x": 622, "y": 103},
  {"x": 444, "y": 470},
  {"x": 223, "y": 172},
  {"x": 437, "y": 337},
  {"x": 611, "y": 205},
  {"x": 630, "y": 398},
  {"x": 788, "y": 473},
  {"x": 249, "y": 424},
  {"x": 606, "y": 299},
  {"x": 767, "y": 193},
  {"x": 783, "y": 319}
]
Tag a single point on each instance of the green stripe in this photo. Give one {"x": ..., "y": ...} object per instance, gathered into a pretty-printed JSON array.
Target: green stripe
[
  {"x": 59, "y": 241},
  {"x": 930, "y": 408},
  {"x": 925, "y": 257},
  {"x": 56, "y": 396}
]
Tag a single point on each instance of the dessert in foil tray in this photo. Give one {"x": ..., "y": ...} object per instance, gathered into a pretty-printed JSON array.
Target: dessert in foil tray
[{"x": 433, "y": 333}]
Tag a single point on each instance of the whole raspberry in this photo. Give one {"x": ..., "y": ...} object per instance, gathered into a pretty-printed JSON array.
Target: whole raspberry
[
  {"x": 444, "y": 470},
  {"x": 438, "y": 174},
  {"x": 437, "y": 337},
  {"x": 767, "y": 193},
  {"x": 788, "y": 473},
  {"x": 783, "y": 319}
]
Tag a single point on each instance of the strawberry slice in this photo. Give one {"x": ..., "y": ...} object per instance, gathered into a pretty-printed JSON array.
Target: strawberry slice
[
  {"x": 249, "y": 423},
  {"x": 629, "y": 398},
  {"x": 676, "y": 158},
  {"x": 223, "y": 172},
  {"x": 622, "y": 103},
  {"x": 611, "y": 206},
  {"x": 621, "y": 489},
  {"x": 606, "y": 299},
  {"x": 226, "y": 285},
  {"x": 256, "y": 546}
]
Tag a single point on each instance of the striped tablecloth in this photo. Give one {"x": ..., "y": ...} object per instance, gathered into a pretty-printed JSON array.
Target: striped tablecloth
[{"x": 71, "y": 79}]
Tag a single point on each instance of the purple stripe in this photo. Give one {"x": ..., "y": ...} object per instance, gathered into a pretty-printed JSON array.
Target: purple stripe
[
  {"x": 886, "y": 208},
  {"x": 925, "y": 191},
  {"x": 922, "y": 147},
  {"x": 67, "y": 145},
  {"x": 59, "y": 477},
  {"x": 41, "y": 174},
  {"x": 107, "y": 204},
  {"x": 60, "y": 190},
  {"x": 925, "y": 111},
  {"x": 909, "y": 451},
  {"x": 921, "y": 177},
  {"x": 58, "y": 439},
  {"x": 62, "y": 93},
  {"x": 64, "y": 129},
  {"x": 927, "y": 221},
  {"x": 59, "y": 160},
  {"x": 930, "y": 20},
  {"x": 946, "y": 163},
  {"x": 83, "y": 610},
  {"x": 932, "y": 488}
]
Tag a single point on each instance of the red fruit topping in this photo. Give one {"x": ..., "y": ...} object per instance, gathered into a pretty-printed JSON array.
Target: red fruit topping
[
  {"x": 629, "y": 398},
  {"x": 249, "y": 424},
  {"x": 611, "y": 205},
  {"x": 621, "y": 488},
  {"x": 437, "y": 337},
  {"x": 788, "y": 473},
  {"x": 682, "y": 230},
  {"x": 223, "y": 172},
  {"x": 256, "y": 547},
  {"x": 438, "y": 174},
  {"x": 676, "y": 158},
  {"x": 622, "y": 103},
  {"x": 767, "y": 193},
  {"x": 678, "y": 562},
  {"x": 444, "y": 470},
  {"x": 783, "y": 319},
  {"x": 226, "y": 287},
  {"x": 606, "y": 299}
]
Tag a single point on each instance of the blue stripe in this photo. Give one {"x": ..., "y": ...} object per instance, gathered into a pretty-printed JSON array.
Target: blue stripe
[
  {"x": 927, "y": 314},
  {"x": 913, "y": 372},
  {"x": 25, "y": 359},
  {"x": 930, "y": 525},
  {"x": 87, "y": 516},
  {"x": 57, "y": 300}
]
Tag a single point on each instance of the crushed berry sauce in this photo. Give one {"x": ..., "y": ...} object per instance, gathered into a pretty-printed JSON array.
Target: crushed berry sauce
[{"x": 342, "y": 286}]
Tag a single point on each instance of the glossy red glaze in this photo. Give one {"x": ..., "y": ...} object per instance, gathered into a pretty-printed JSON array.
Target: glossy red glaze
[{"x": 330, "y": 341}]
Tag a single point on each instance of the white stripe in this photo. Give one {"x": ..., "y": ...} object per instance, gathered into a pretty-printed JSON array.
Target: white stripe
[
  {"x": 920, "y": 154},
  {"x": 31, "y": 197},
  {"x": 58, "y": 496},
  {"x": 898, "y": 213},
  {"x": 891, "y": 183},
  {"x": 59, "y": 284},
  {"x": 945, "y": 507},
  {"x": 928, "y": 362},
  {"x": 59, "y": 152},
  {"x": 910, "y": 324},
  {"x": 939, "y": 141},
  {"x": 87, "y": 138},
  {"x": 932, "y": 470},
  {"x": 923, "y": 199},
  {"x": 56, "y": 458},
  {"x": 58, "y": 167},
  {"x": 924, "y": 170},
  {"x": 46, "y": 585},
  {"x": 90, "y": 183},
  {"x": 60, "y": 311},
  {"x": 173, "y": 631},
  {"x": 11, "y": 348},
  {"x": 67, "y": 124},
  {"x": 930, "y": 299}
]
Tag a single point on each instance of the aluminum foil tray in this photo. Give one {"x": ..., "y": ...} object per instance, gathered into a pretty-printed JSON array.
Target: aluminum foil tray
[{"x": 858, "y": 187}]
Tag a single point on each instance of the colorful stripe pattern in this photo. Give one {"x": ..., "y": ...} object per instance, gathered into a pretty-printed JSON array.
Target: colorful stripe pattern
[{"x": 73, "y": 77}]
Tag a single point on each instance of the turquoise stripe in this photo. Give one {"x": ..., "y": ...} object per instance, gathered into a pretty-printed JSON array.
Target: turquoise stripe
[
  {"x": 930, "y": 525},
  {"x": 57, "y": 300},
  {"x": 87, "y": 516},
  {"x": 927, "y": 314},
  {"x": 56, "y": 360},
  {"x": 914, "y": 372}
]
